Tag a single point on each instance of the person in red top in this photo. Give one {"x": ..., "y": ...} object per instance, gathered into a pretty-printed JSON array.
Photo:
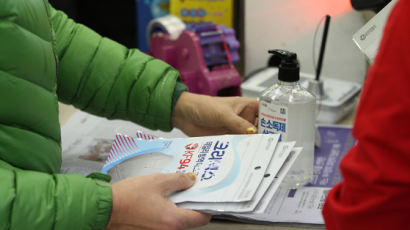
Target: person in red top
[{"x": 375, "y": 192}]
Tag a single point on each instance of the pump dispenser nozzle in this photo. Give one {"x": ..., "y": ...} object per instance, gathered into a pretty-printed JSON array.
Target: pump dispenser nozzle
[
  {"x": 288, "y": 65},
  {"x": 289, "y": 109}
]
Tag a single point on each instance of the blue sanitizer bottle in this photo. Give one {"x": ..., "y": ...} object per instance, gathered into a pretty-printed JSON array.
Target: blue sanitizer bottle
[{"x": 289, "y": 109}]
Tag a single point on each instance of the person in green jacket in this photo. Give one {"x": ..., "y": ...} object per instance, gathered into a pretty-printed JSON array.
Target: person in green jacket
[{"x": 45, "y": 57}]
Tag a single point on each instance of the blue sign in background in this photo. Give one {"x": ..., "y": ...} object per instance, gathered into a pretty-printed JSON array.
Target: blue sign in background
[{"x": 336, "y": 141}]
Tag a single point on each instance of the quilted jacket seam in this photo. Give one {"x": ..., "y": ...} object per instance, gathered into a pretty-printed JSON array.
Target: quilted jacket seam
[
  {"x": 26, "y": 29},
  {"x": 25, "y": 80},
  {"x": 24, "y": 128},
  {"x": 83, "y": 78}
]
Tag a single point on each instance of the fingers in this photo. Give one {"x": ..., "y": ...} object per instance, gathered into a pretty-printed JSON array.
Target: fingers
[
  {"x": 250, "y": 112},
  {"x": 216, "y": 116},
  {"x": 196, "y": 130},
  {"x": 191, "y": 218},
  {"x": 174, "y": 182},
  {"x": 237, "y": 124},
  {"x": 243, "y": 121},
  {"x": 184, "y": 218}
]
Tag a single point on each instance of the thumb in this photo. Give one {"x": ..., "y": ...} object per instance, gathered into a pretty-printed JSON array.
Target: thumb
[
  {"x": 174, "y": 182},
  {"x": 238, "y": 125}
]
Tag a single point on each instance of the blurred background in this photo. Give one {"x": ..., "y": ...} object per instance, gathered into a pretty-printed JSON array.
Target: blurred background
[{"x": 259, "y": 25}]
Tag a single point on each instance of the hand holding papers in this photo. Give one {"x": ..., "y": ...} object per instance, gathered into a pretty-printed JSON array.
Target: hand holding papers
[
  {"x": 84, "y": 133},
  {"x": 233, "y": 171}
]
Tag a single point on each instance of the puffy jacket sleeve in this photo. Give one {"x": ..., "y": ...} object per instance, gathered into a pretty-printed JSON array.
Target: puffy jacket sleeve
[
  {"x": 35, "y": 200},
  {"x": 102, "y": 77}
]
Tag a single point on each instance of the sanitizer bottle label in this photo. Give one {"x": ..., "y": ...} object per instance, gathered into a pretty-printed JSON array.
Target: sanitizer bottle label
[{"x": 273, "y": 118}]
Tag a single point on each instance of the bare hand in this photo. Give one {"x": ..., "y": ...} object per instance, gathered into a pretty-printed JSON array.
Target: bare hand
[
  {"x": 142, "y": 203},
  {"x": 199, "y": 115}
]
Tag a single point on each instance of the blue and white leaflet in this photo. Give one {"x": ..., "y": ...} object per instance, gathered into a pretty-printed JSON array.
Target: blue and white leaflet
[
  {"x": 279, "y": 165},
  {"x": 229, "y": 168}
]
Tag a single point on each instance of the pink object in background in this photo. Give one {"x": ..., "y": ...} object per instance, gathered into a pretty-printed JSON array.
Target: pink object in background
[{"x": 201, "y": 69}]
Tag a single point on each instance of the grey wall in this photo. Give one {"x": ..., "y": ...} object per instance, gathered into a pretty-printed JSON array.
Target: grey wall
[{"x": 291, "y": 25}]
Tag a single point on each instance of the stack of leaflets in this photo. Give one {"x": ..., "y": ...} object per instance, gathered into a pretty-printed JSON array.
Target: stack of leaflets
[
  {"x": 235, "y": 173},
  {"x": 87, "y": 140}
]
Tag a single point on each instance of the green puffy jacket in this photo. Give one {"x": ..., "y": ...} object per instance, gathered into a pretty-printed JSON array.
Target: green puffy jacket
[{"x": 46, "y": 57}]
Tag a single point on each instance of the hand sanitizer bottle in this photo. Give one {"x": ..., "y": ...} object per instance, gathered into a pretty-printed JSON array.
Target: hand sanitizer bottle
[{"x": 289, "y": 109}]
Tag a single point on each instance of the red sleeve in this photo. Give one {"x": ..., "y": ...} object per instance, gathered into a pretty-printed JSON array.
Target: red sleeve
[{"x": 375, "y": 193}]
